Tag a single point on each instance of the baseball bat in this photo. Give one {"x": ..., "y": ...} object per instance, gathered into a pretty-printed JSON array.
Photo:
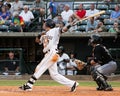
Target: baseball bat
[{"x": 96, "y": 14}]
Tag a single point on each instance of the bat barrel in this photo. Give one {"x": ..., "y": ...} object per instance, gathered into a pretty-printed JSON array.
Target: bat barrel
[{"x": 94, "y": 15}]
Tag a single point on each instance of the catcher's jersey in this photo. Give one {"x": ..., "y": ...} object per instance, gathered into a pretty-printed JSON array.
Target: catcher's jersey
[
  {"x": 101, "y": 54},
  {"x": 51, "y": 39}
]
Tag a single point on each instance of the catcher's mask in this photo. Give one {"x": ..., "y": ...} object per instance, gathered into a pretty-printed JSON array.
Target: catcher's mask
[
  {"x": 95, "y": 39},
  {"x": 49, "y": 23}
]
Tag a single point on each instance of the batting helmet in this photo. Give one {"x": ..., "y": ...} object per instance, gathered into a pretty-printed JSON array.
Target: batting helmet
[
  {"x": 61, "y": 48},
  {"x": 95, "y": 39},
  {"x": 49, "y": 23}
]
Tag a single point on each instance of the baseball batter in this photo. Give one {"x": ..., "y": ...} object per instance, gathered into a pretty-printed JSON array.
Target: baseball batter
[
  {"x": 102, "y": 63},
  {"x": 50, "y": 42}
]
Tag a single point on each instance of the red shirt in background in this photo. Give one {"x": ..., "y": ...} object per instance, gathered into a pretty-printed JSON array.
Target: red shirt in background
[{"x": 81, "y": 13}]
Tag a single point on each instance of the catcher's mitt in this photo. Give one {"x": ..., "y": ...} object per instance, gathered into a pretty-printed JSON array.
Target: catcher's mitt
[{"x": 80, "y": 64}]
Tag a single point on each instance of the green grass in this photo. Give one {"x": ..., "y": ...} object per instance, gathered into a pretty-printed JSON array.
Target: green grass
[{"x": 51, "y": 83}]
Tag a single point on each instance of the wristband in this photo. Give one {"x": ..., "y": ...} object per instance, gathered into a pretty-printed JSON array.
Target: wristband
[{"x": 68, "y": 26}]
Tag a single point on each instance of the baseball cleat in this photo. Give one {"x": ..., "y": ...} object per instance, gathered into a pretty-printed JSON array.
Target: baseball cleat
[
  {"x": 109, "y": 88},
  {"x": 25, "y": 88},
  {"x": 73, "y": 88},
  {"x": 99, "y": 88}
]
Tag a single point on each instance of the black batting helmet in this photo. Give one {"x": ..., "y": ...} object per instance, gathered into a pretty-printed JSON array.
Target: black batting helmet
[
  {"x": 95, "y": 39},
  {"x": 49, "y": 23}
]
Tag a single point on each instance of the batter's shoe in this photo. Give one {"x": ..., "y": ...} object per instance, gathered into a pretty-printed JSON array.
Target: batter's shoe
[
  {"x": 25, "y": 88},
  {"x": 73, "y": 88}
]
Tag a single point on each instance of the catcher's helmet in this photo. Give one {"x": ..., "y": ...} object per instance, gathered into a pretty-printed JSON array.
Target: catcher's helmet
[
  {"x": 49, "y": 23},
  {"x": 95, "y": 39}
]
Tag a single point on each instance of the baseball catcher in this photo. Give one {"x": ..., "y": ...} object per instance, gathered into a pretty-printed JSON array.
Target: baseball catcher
[{"x": 102, "y": 63}]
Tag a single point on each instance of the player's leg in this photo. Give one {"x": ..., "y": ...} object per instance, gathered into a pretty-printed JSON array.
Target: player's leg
[
  {"x": 101, "y": 81},
  {"x": 107, "y": 69},
  {"x": 61, "y": 79},
  {"x": 104, "y": 70},
  {"x": 92, "y": 71},
  {"x": 40, "y": 69}
]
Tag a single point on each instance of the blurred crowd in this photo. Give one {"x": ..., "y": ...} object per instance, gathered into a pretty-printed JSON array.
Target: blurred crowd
[
  {"x": 17, "y": 17},
  {"x": 107, "y": 22}
]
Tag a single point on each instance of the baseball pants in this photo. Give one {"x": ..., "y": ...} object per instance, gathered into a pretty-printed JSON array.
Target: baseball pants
[
  {"x": 45, "y": 64},
  {"x": 108, "y": 68}
]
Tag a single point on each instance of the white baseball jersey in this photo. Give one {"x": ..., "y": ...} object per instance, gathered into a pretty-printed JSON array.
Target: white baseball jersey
[
  {"x": 48, "y": 41},
  {"x": 62, "y": 64},
  {"x": 71, "y": 63}
]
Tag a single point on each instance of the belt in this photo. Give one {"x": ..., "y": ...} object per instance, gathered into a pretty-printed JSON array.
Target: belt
[
  {"x": 46, "y": 52},
  {"x": 49, "y": 51}
]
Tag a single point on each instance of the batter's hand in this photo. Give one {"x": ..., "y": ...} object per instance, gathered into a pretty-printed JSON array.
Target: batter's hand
[{"x": 37, "y": 40}]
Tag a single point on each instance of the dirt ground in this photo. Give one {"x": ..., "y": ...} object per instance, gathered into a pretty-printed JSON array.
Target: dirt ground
[{"x": 56, "y": 91}]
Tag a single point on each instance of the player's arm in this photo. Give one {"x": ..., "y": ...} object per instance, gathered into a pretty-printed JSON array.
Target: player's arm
[
  {"x": 97, "y": 56},
  {"x": 72, "y": 65},
  {"x": 37, "y": 39},
  {"x": 66, "y": 28}
]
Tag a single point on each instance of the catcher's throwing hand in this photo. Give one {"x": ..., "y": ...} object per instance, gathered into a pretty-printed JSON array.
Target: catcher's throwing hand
[
  {"x": 80, "y": 64},
  {"x": 92, "y": 62}
]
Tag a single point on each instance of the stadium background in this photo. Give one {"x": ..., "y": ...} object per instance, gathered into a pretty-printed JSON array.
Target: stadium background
[{"x": 31, "y": 53}]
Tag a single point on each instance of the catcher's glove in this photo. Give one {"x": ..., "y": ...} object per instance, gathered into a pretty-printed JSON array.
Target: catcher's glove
[{"x": 80, "y": 64}]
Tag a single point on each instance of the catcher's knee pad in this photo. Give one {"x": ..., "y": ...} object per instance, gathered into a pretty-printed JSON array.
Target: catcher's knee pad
[{"x": 96, "y": 75}]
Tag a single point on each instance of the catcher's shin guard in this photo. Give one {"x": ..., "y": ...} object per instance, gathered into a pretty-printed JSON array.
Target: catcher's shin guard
[
  {"x": 101, "y": 81},
  {"x": 100, "y": 87},
  {"x": 104, "y": 83},
  {"x": 94, "y": 76}
]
